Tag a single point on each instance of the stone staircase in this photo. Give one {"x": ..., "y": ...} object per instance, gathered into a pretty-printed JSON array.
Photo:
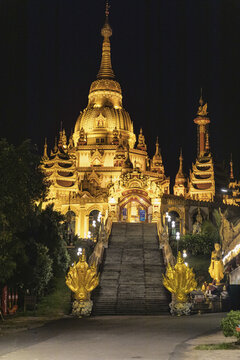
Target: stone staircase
[{"x": 131, "y": 273}]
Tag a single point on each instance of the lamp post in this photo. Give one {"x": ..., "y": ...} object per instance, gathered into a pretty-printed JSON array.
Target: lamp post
[{"x": 177, "y": 239}]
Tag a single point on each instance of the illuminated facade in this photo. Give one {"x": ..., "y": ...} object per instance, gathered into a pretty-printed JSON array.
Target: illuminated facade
[{"x": 103, "y": 168}]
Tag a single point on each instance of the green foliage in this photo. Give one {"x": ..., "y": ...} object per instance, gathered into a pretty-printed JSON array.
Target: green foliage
[
  {"x": 221, "y": 346},
  {"x": 45, "y": 250},
  {"x": 217, "y": 219},
  {"x": 32, "y": 240},
  {"x": 197, "y": 244},
  {"x": 47, "y": 228},
  {"x": 200, "y": 265},
  {"x": 200, "y": 246},
  {"x": 42, "y": 271},
  {"x": 229, "y": 323},
  {"x": 21, "y": 183},
  {"x": 203, "y": 243},
  {"x": 58, "y": 302}
]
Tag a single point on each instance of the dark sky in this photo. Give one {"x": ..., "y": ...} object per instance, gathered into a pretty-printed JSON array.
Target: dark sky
[{"x": 163, "y": 52}]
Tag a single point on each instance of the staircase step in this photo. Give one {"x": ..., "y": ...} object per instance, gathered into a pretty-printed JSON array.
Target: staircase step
[{"x": 131, "y": 276}]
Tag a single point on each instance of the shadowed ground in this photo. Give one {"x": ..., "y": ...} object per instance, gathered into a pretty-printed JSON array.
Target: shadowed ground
[{"x": 109, "y": 338}]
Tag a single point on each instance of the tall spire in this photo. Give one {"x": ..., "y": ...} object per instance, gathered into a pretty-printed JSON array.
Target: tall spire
[
  {"x": 180, "y": 170},
  {"x": 231, "y": 169},
  {"x": 45, "y": 155},
  {"x": 179, "y": 188},
  {"x": 158, "y": 152},
  {"x": 202, "y": 120},
  {"x": 106, "y": 71}
]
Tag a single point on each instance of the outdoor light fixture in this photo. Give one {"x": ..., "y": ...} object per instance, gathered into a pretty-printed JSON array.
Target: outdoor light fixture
[
  {"x": 186, "y": 263},
  {"x": 184, "y": 254},
  {"x": 94, "y": 223},
  {"x": 177, "y": 235},
  {"x": 224, "y": 190},
  {"x": 79, "y": 251},
  {"x": 89, "y": 234},
  {"x": 173, "y": 224},
  {"x": 99, "y": 217}
]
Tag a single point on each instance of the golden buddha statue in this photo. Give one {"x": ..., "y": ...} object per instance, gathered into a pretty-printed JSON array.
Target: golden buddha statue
[{"x": 216, "y": 269}]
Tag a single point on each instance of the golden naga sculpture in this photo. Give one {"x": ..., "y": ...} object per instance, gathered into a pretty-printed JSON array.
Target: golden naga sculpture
[
  {"x": 216, "y": 268},
  {"x": 82, "y": 279},
  {"x": 180, "y": 280}
]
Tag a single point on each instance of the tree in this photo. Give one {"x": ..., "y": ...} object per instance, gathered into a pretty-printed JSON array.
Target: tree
[{"x": 21, "y": 183}]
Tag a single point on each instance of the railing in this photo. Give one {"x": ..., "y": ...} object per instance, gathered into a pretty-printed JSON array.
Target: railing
[
  {"x": 164, "y": 244},
  {"x": 102, "y": 243}
]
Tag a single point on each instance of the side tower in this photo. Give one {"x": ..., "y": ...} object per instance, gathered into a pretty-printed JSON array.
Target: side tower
[
  {"x": 201, "y": 184},
  {"x": 179, "y": 188}
]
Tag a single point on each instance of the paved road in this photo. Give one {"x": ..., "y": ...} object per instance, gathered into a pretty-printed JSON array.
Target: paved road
[{"x": 109, "y": 338}]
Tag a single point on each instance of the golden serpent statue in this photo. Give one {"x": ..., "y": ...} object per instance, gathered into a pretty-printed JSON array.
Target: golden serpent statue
[
  {"x": 82, "y": 278},
  {"x": 180, "y": 280}
]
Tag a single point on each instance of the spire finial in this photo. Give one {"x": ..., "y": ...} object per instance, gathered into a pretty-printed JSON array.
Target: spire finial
[
  {"x": 106, "y": 71},
  {"x": 231, "y": 169},
  {"x": 107, "y": 9},
  {"x": 45, "y": 155},
  {"x": 55, "y": 149},
  {"x": 157, "y": 147},
  {"x": 181, "y": 157},
  {"x": 201, "y": 99},
  {"x": 180, "y": 170}
]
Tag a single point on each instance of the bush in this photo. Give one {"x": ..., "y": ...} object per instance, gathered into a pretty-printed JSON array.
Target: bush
[
  {"x": 57, "y": 302},
  {"x": 229, "y": 323},
  {"x": 197, "y": 244}
]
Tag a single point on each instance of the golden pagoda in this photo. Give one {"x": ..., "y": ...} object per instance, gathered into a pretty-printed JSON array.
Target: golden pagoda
[
  {"x": 101, "y": 172},
  {"x": 100, "y": 152}
]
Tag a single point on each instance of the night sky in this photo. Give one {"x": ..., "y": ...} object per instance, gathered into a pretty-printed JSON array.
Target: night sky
[{"x": 163, "y": 52}]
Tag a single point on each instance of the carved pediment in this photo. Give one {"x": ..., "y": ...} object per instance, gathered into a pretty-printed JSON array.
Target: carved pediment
[
  {"x": 94, "y": 178},
  {"x": 97, "y": 157},
  {"x": 100, "y": 121}
]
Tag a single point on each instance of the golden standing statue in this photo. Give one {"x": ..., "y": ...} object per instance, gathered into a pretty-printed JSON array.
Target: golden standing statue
[{"x": 216, "y": 269}]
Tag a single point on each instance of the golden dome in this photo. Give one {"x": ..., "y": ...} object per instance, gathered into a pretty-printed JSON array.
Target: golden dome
[{"x": 104, "y": 112}]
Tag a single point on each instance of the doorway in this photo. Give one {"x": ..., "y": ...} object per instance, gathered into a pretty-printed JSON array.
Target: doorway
[{"x": 134, "y": 210}]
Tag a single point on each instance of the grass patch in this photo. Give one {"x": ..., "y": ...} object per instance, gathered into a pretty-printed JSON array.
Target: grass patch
[
  {"x": 58, "y": 302},
  {"x": 221, "y": 346}
]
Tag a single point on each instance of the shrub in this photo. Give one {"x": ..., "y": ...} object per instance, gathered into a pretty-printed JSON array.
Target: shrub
[{"x": 229, "y": 323}]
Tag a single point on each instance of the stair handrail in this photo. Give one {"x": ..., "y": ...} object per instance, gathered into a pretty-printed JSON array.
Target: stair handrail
[
  {"x": 163, "y": 236},
  {"x": 102, "y": 242}
]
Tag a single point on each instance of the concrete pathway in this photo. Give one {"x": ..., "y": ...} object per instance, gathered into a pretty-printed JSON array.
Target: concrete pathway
[
  {"x": 215, "y": 338},
  {"x": 110, "y": 338}
]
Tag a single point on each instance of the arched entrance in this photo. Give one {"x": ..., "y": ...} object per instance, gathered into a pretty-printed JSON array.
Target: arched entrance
[
  {"x": 173, "y": 222},
  {"x": 71, "y": 224},
  {"x": 135, "y": 207},
  {"x": 94, "y": 224}
]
